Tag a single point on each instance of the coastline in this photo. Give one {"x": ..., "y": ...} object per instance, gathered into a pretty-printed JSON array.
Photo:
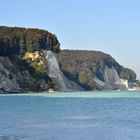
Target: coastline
[{"x": 134, "y": 89}]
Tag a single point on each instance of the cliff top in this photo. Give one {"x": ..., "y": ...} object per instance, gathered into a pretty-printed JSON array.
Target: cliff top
[{"x": 15, "y": 40}]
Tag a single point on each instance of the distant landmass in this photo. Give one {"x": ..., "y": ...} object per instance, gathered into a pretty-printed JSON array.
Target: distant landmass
[
  {"x": 31, "y": 61},
  {"x": 96, "y": 70}
]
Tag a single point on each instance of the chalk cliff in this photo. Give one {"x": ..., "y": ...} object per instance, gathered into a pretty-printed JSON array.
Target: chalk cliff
[
  {"x": 96, "y": 70},
  {"x": 31, "y": 61}
]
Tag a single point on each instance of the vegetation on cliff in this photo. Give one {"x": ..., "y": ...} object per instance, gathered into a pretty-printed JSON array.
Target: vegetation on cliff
[
  {"x": 84, "y": 66},
  {"x": 22, "y": 68},
  {"x": 18, "y": 41}
]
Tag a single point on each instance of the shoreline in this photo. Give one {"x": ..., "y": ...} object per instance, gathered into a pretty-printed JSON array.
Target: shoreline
[{"x": 134, "y": 89}]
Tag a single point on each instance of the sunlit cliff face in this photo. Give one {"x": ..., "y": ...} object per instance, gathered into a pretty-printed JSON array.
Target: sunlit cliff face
[{"x": 35, "y": 56}]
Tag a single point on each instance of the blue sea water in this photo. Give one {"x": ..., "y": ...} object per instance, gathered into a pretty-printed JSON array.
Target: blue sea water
[{"x": 70, "y": 116}]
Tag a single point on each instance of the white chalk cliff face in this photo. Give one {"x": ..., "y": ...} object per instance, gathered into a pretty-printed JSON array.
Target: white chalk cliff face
[
  {"x": 111, "y": 80},
  {"x": 62, "y": 83}
]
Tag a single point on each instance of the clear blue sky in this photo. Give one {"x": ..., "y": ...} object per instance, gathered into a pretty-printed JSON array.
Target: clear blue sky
[{"x": 112, "y": 26}]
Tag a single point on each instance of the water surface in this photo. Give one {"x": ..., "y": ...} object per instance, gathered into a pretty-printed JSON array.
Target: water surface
[{"x": 70, "y": 116}]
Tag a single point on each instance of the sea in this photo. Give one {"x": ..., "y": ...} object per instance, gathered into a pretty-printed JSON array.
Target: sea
[{"x": 106, "y": 115}]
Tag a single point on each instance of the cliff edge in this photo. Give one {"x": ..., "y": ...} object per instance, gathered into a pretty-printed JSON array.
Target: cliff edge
[
  {"x": 31, "y": 61},
  {"x": 96, "y": 70},
  {"x": 22, "y": 67}
]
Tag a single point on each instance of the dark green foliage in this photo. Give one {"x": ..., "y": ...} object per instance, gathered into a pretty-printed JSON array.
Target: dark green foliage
[
  {"x": 83, "y": 66},
  {"x": 30, "y": 75},
  {"x": 128, "y": 74},
  {"x": 16, "y": 41}
]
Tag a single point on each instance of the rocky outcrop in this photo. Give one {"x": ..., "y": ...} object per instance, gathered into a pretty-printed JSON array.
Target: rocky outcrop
[
  {"x": 7, "y": 80},
  {"x": 54, "y": 71},
  {"x": 22, "y": 66},
  {"x": 31, "y": 60},
  {"x": 23, "y": 62},
  {"x": 16, "y": 75},
  {"x": 95, "y": 70}
]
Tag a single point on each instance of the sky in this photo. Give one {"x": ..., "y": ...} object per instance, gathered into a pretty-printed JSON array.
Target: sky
[{"x": 111, "y": 26}]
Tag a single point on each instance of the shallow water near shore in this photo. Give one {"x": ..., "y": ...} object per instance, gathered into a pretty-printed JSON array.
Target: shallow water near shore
[{"x": 107, "y": 115}]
